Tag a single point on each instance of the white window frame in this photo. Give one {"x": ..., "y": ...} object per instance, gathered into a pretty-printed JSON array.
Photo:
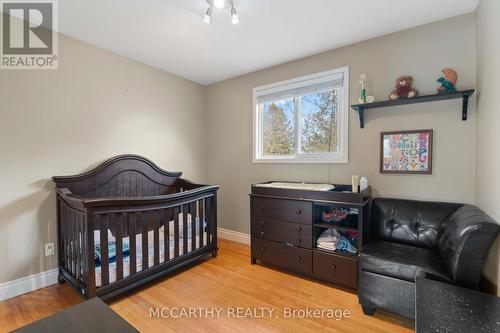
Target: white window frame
[{"x": 342, "y": 154}]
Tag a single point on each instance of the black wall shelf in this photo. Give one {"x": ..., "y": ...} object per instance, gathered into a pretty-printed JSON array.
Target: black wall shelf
[{"x": 463, "y": 94}]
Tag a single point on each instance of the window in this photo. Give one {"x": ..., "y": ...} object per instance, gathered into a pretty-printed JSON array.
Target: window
[{"x": 304, "y": 120}]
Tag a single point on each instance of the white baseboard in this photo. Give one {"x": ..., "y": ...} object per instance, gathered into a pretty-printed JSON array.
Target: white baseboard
[
  {"x": 234, "y": 236},
  {"x": 27, "y": 284}
]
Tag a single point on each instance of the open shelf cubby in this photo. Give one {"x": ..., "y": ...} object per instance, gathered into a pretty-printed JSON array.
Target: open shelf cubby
[
  {"x": 348, "y": 226},
  {"x": 463, "y": 94}
]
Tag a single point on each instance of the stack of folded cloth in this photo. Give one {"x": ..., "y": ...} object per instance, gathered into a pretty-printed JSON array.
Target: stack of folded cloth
[
  {"x": 328, "y": 240},
  {"x": 332, "y": 240}
]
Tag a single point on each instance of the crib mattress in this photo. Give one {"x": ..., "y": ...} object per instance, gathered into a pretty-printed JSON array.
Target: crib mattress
[{"x": 126, "y": 260}]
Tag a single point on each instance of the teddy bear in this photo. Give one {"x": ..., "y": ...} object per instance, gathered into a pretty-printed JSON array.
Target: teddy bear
[{"x": 403, "y": 88}]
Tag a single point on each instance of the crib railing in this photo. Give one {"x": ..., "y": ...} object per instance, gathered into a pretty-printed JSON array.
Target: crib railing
[
  {"x": 73, "y": 242},
  {"x": 137, "y": 239}
]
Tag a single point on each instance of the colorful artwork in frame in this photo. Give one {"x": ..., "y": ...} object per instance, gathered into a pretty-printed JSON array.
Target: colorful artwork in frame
[{"x": 407, "y": 152}]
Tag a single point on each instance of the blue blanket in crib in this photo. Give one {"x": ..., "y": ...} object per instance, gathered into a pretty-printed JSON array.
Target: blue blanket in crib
[{"x": 111, "y": 253}]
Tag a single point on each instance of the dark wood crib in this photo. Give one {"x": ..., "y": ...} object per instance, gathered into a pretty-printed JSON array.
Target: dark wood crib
[{"x": 127, "y": 222}]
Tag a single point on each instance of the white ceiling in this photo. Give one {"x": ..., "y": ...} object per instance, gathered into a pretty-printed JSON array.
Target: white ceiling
[{"x": 169, "y": 34}]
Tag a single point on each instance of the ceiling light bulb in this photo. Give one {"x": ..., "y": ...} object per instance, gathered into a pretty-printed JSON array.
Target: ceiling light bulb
[
  {"x": 235, "y": 19},
  {"x": 207, "y": 18},
  {"x": 219, "y": 4}
]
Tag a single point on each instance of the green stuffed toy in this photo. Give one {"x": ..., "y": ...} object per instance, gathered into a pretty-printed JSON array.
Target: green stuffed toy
[{"x": 448, "y": 81}]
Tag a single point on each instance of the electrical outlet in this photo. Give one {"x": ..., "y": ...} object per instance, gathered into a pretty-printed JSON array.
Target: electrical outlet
[{"x": 49, "y": 249}]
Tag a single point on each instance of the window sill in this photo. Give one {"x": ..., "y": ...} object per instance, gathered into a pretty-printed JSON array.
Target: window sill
[{"x": 301, "y": 160}]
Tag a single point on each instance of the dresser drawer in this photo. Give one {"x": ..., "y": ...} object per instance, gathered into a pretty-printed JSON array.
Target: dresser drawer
[
  {"x": 335, "y": 268},
  {"x": 293, "y": 211},
  {"x": 294, "y": 233},
  {"x": 277, "y": 254}
]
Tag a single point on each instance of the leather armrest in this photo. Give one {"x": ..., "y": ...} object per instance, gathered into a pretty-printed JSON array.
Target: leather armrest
[{"x": 464, "y": 240}]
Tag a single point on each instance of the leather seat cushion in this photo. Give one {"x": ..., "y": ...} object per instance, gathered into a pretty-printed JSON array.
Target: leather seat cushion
[{"x": 402, "y": 261}]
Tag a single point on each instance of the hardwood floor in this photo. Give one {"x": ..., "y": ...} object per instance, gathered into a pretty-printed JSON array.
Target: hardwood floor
[{"x": 226, "y": 282}]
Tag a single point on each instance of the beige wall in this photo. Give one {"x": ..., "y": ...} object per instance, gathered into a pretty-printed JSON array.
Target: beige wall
[
  {"x": 488, "y": 134},
  {"x": 421, "y": 52},
  {"x": 60, "y": 122}
]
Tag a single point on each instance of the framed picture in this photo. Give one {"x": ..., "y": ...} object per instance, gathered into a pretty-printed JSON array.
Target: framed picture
[{"x": 408, "y": 152}]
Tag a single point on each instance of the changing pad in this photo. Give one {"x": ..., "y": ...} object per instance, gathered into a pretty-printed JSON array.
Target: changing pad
[{"x": 299, "y": 186}]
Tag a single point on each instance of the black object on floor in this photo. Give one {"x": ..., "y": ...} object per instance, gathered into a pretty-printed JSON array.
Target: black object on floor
[
  {"x": 446, "y": 308},
  {"x": 92, "y": 316}
]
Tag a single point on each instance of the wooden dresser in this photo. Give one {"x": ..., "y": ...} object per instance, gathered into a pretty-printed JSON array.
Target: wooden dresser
[{"x": 286, "y": 223}]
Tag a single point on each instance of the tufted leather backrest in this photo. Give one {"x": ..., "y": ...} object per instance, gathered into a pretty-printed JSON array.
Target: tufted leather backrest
[{"x": 408, "y": 221}]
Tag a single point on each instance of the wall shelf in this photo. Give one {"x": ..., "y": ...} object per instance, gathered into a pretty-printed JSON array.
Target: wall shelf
[{"x": 463, "y": 94}]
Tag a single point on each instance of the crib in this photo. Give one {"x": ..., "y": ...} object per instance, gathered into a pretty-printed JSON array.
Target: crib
[{"x": 128, "y": 222}]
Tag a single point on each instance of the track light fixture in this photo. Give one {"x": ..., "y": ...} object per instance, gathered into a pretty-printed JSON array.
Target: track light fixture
[
  {"x": 207, "y": 18},
  {"x": 235, "y": 19},
  {"x": 221, "y": 4}
]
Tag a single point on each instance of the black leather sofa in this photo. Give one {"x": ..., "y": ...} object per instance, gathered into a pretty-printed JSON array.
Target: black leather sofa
[{"x": 407, "y": 239}]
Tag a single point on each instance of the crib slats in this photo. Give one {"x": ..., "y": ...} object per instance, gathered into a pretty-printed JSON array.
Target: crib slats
[
  {"x": 72, "y": 242},
  {"x": 161, "y": 223},
  {"x": 103, "y": 226},
  {"x": 78, "y": 246},
  {"x": 208, "y": 208},
  {"x": 212, "y": 218},
  {"x": 185, "y": 229},
  {"x": 176, "y": 231},
  {"x": 206, "y": 203},
  {"x": 76, "y": 242},
  {"x": 83, "y": 257},
  {"x": 66, "y": 239},
  {"x": 118, "y": 220},
  {"x": 145, "y": 255},
  {"x": 192, "y": 211},
  {"x": 132, "y": 218},
  {"x": 166, "y": 234},
  {"x": 156, "y": 237}
]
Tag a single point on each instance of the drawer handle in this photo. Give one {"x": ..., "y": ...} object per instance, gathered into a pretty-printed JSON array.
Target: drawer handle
[
  {"x": 299, "y": 211},
  {"x": 262, "y": 248},
  {"x": 262, "y": 222},
  {"x": 334, "y": 266},
  {"x": 262, "y": 233},
  {"x": 299, "y": 228},
  {"x": 261, "y": 207},
  {"x": 299, "y": 258},
  {"x": 299, "y": 240}
]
